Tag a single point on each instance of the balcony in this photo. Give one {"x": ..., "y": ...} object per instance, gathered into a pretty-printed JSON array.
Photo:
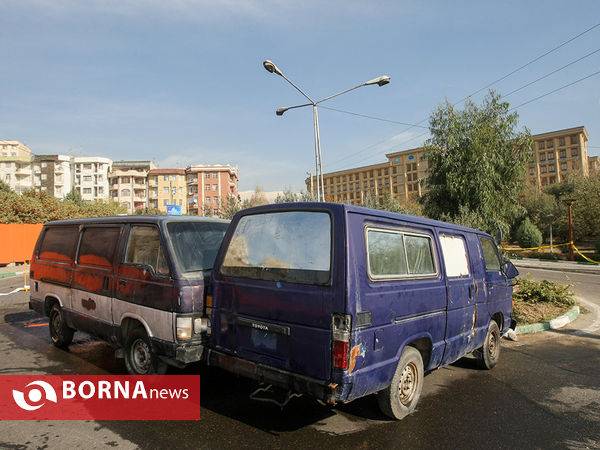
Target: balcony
[{"x": 24, "y": 172}]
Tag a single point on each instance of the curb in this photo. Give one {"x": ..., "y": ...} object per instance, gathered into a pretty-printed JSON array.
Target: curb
[
  {"x": 8, "y": 274},
  {"x": 553, "y": 324}
]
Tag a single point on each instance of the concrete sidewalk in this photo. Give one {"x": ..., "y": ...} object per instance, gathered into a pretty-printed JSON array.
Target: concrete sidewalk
[{"x": 561, "y": 266}]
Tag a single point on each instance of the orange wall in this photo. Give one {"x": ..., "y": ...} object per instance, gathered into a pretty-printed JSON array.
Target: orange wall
[{"x": 17, "y": 241}]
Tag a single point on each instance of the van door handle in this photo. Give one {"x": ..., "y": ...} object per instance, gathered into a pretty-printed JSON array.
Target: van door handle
[
  {"x": 105, "y": 284},
  {"x": 471, "y": 292},
  {"x": 123, "y": 283}
]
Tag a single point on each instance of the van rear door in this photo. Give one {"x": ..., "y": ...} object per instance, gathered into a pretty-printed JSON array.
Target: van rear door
[{"x": 276, "y": 286}]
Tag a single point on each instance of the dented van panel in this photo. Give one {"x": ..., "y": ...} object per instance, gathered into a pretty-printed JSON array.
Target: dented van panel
[{"x": 334, "y": 295}]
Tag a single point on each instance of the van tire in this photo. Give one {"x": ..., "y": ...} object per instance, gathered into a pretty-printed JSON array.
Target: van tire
[
  {"x": 60, "y": 333},
  {"x": 400, "y": 398},
  {"x": 488, "y": 355},
  {"x": 139, "y": 357}
]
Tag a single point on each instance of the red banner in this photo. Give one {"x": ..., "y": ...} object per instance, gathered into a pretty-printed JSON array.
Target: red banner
[{"x": 97, "y": 397}]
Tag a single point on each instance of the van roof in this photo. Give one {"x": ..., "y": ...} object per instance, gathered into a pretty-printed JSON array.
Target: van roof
[
  {"x": 134, "y": 219},
  {"x": 340, "y": 207}
]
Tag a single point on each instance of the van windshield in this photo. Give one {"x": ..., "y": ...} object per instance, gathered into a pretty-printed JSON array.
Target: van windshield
[
  {"x": 293, "y": 246},
  {"x": 196, "y": 244}
]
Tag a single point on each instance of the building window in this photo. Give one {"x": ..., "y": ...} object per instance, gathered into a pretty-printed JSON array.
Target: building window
[
  {"x": 207, "y": 187},
  {"x": 563, "y": 154},
  {"x": 550, "y": 156},
  {"x": 543, "y": 169},
  {"x": 541, "y": 145},
  {"x": 44, "y": 164},
  {"x": 215, "y": 175},
  {"x": 124, "y": 180},
  {"x": 207, "y": 175},
  {"x": 561, "y": 141},
  {"x": 574, "y": 152},
  {"x": 574, "y": 139},
  {"x": 550, "y": 143},
  {"x": 125, "y": 193},
  {"x": 563, "y": 166},
  {"x": 551, "y": 168},
  {"x": 87, "y": 190},
  {"x": 87, "y": 178},
  {"x": 215, "y": 187},
  {"x": 44, "y": 176},
  {"x": 166, "y": 190},
  {"x": 87, "y": 167},
  {"x": 551, "y": 180},
  {"x": 531, "y": 171},
  {"x": 165, "y": 202},
  {"x": 542, "y": 157}
]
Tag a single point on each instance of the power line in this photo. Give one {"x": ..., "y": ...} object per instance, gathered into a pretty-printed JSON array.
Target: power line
[
  {"x": 553, "y": 91},
  {"x": 491, "y": 84},
  {"x": 551, "y": 73},
  {"x": 529, "y": 63},
  {"x": 372, "y": 117}
]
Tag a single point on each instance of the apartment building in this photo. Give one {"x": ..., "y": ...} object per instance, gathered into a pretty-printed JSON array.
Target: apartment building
[
  {"x": 15, "y": 165},
  {"x": 167, "y": 187},
  {"x": 90, "y": 176},
  {"x": 208, "y": 187},
  {"x": 52, "y": 173},
  {"x": 558, "y": 154},
  {"x": 128, "y": 183},
  {"x": 555, "y": 155}
]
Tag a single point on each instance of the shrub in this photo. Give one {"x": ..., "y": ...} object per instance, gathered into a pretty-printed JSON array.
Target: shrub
[
  {"x": 528, "y": 235},
  {"x": 531, "y": 291}
]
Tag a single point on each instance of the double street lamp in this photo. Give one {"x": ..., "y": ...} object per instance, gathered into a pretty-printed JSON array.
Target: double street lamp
[{"x": 272, "y": 68}]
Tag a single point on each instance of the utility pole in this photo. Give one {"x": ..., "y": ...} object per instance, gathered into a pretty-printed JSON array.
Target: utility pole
[{"x": 569, "y": 203}]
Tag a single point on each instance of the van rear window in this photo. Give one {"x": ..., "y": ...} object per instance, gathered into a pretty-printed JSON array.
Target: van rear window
[
  {"x": 292, "y": 246},
  {"x": 59, "y": 244}
]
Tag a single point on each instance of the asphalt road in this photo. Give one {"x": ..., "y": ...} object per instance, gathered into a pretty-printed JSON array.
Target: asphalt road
[{"x": 544, "y": 393}]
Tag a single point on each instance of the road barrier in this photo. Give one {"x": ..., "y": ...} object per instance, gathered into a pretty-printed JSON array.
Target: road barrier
[{"x": 17, "y": 241}]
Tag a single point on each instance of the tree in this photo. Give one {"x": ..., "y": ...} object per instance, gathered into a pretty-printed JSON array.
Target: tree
[
  {"x": 74, "y": 196},
  {"x": 4, "y": 187},
  {"x": 528, "y": 235},
  {"x": 477, "y": 163},
  {"x": 287, "y": 196}
]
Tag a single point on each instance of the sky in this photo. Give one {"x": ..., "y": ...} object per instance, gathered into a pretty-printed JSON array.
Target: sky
[{"x": 181, "y": 82}]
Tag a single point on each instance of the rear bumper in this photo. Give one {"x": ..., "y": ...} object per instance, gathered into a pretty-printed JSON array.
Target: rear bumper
[{"x": 320, "y": 389}]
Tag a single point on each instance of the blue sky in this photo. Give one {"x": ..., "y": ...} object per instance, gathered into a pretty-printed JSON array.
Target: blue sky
[{"x": 181, "y": 82}]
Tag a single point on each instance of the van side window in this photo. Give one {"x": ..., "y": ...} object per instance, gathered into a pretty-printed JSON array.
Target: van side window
[
  {"x": 455, "y": 256},
  {"x": 143, "y": 248},
  {"x": 97, "y": 246},
  {"x": 393, "y": 254},
  {"x": 292, "y": 246},
  {"x": 59, "y": 244},
  {"x": 490, "y": 255}
]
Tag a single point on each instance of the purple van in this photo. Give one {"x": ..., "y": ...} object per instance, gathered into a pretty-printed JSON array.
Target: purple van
[{"x": 338, "y": 302}]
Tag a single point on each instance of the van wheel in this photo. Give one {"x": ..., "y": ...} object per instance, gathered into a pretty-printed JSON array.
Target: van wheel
[
  {"x": 139, "y": 358},
  {"x": 400, "y": 398},
  {"x": 489, "y": 353},
  {"x": 60, "y": 333}
]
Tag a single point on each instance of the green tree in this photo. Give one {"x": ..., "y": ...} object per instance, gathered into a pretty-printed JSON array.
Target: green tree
[
  {"x": 528, "y": 235},
  {"x": 287, "y": 196},
  {"x": 477, "y": 163},
  {"x": 74, "y": 196},
  {"x": 4, "y": 187}
]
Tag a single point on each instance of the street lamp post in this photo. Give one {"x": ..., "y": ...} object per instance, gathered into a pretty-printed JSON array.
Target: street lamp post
[{"x": 272, "y": 68}]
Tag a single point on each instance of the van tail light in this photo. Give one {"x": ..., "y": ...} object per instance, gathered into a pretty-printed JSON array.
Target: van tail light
[{"x": 340, "y": 327}]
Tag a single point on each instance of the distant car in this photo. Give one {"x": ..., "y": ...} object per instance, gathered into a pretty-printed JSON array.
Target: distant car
[
  {"x": 339, "y": 302},
  {"x": 138, "y": 282}
]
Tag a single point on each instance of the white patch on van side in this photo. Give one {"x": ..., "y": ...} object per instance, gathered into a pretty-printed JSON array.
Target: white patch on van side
[{"x": 455, "y": 256}]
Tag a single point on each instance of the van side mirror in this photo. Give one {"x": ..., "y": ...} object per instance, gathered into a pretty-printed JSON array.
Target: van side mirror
[{"x": 510, "y": 270}]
